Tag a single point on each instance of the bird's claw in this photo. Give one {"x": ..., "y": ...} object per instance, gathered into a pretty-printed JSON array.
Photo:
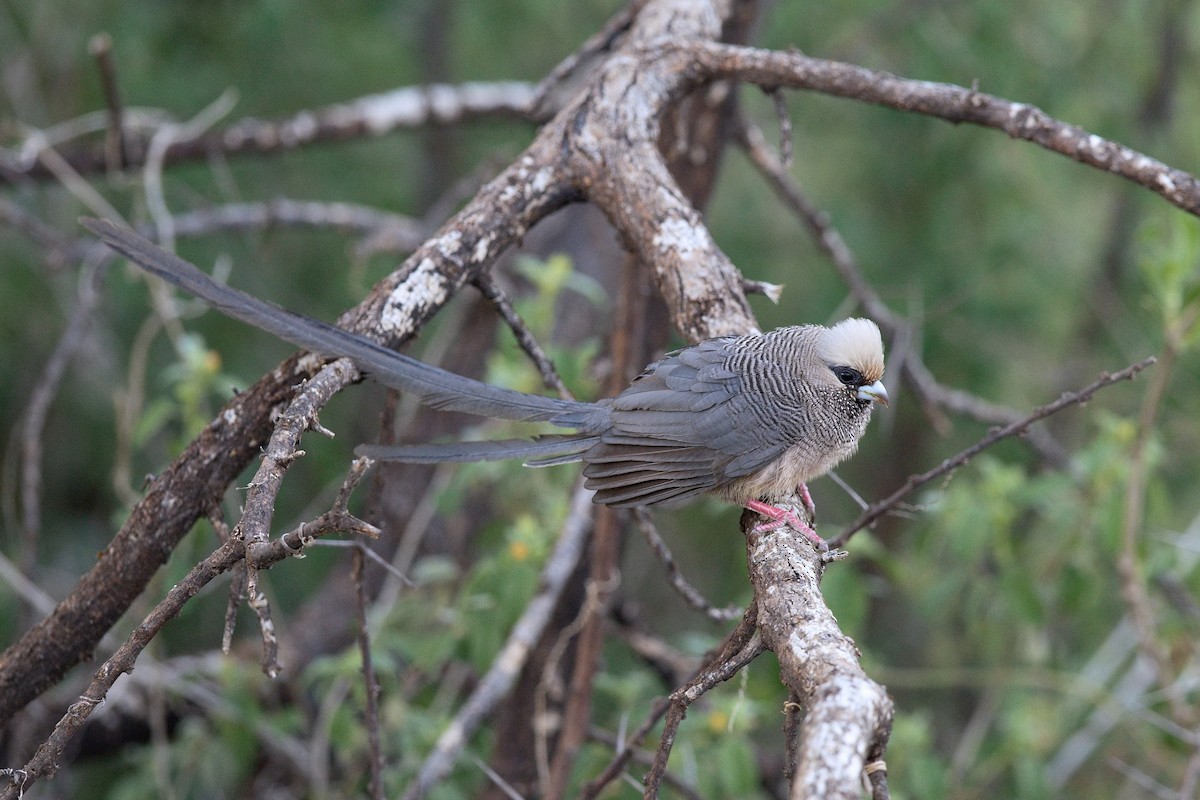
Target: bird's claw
[{"x": 780, "y": 517}]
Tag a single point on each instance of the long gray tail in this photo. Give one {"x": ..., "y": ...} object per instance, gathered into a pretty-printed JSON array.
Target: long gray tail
[
  {"x": 543, "y": 451},
  {"x": 436, "y": 387}
]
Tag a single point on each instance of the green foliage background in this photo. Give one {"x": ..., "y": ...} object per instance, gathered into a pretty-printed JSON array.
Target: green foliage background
[{"x": 980, "y": 612}]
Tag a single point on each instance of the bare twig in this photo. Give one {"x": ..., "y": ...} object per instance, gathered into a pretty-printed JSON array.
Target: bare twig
[
  {"x": 785, "y": 126},
  {"x": 1191, "y": 776},
  {"x": 1068, "y": 399},
  {"x": 644, "y": 758},
  {"x": 160, "y": 142},
  {"x": 682, "y": 698},
  {"x": 679, "y": 583},
  {"x": 115, "y": 151},
  {"x": 54, "y": 246},
  {"x": 47, "y": 760},
  {"x": 1129, "y": 565},
  {"x": 672, "y": 663},
  {"x": 351, "y": 218},
  {"x": 771, "y": 291},
  {"x": 43, "y": 394},
  {"x": 499, "y": 299},
  {"x": 500, "y": 677},
  {"x": 371, "y": 683},
  {"x": 370, "y": 115},
  {"x": 932, "y": 394},
  {"x": 736, "y": 642},
  {"x": 281, "y": 452}
]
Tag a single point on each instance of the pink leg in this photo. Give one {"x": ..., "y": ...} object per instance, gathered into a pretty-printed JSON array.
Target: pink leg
[
  {"x": 806, "y": 498},
  {"x": 780, "y": 517}
]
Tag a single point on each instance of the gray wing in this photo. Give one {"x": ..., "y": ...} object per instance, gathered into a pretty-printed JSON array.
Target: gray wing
[{"x": 687, "y": 425}]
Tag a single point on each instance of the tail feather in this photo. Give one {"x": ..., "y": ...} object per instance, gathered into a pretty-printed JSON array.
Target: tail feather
[
  {"x": 545, "y": 450},
  {"x": 436, "y": 387}
]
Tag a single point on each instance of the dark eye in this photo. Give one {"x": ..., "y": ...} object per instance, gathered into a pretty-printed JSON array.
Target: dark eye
[{"x": 848, "y": 376}]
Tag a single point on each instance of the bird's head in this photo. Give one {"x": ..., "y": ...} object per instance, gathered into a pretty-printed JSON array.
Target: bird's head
[{"x": 853, "y": 352}]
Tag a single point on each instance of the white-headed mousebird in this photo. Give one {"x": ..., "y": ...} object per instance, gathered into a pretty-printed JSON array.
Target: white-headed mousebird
[{"x": 750, "y": 419}]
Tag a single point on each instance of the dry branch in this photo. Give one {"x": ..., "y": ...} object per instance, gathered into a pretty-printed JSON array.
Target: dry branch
[
  {"x": 946, "y": 101},
  {"x": 1068, "y": 399},
  {"x": 370, "y": 115},
  {"x": 848, "y": 716},
  {"x": 47, "y": 760}
]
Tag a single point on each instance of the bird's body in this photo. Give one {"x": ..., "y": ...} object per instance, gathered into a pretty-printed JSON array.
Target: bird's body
[
  {"x": 746, "y": 418},
  {"x": 742, "y": 417}
]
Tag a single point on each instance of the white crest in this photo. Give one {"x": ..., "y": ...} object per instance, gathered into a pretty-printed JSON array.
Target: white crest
[{"x": 854, "y": 342}]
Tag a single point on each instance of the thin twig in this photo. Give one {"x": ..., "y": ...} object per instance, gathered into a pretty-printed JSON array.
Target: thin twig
[
  {"x": 495, "y": 684},
  {"x": 370, "y": 682},
  {"x": 115, "y": 149},
  {"x": 1068, "y": 399},
  {"x": 682, "y": 698},
  {"x": 785, "y": 125},
  {"x": 491, "y": 290},
  {"x": 43, "y": 395},
  {"x": 360, "y": 117},
  {"x": 646, "y": 759},
  {"x": 932, "y": 394},
  {"x": 680, "y": 584},
  {"x": 551, "y": 686},
  {"x": 55, "y": 248},
  {"x": 597, "y": 43},
  {"x": 734, "y": 643},
  {"x": 281, "y": 452},
  {"x": 1129, "y": 565},
  {"x": 48, "y": 758},
  {"x": 1191, "y": 776}
]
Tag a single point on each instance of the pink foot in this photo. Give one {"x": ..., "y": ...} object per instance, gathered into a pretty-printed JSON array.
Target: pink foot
[{"x": 780, "y": 517}]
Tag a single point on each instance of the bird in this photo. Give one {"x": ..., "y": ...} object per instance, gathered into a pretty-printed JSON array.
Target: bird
[{"x": 750, "y": 419}]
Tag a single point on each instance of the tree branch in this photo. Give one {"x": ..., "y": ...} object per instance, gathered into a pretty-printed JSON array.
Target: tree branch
[
  {"x": 947, "y": 101},
  {"x": 367, "y": 116},
  {"x": 848, "y": 716},
  {"x": 1068, "y": 399},
  {"x": 47, "y": 760}
]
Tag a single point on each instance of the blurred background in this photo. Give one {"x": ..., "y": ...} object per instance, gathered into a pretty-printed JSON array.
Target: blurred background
[{"x": 994, "y": 609}]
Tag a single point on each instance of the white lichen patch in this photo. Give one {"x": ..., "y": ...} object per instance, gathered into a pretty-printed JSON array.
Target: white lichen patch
[
  {"x": 308, "y": 363},
  {"x": 481, "y": 249},
  {"x": 449, "y": 244},
  {"x": 383, "y": 112},
  {"x": 422, "y": 288},
  {"x": 680, "y": 236},
  {"x": 301, "y": 128},
  {"x": 229, "y": 416},
  {"x": 689, "y": 244},
  {"x": 543, "y": 179}
]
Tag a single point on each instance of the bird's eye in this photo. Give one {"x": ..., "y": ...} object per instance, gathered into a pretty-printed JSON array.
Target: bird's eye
[{"x": 848, "y": 376}]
